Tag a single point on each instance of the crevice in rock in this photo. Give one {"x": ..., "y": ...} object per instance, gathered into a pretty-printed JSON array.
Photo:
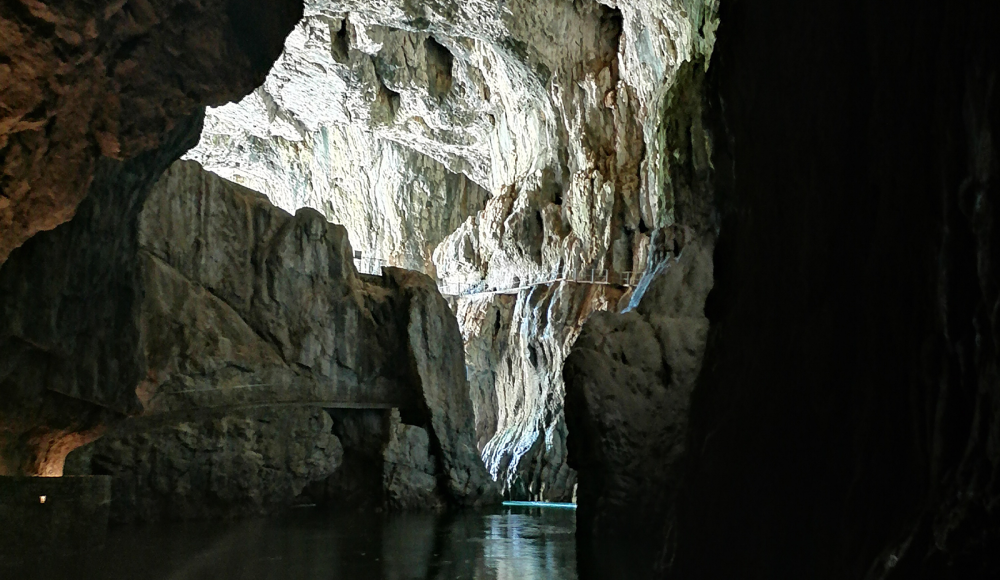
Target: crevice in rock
[
  {"x": 340, "y": 43},
  {"x": 440, "y": 63}
]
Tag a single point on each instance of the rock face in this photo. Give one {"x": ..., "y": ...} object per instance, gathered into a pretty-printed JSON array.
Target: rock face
[
  {"x": 846, "y": 419},
  {"x": 245, "y": 303},
  {"x": 489, "y": 144},
  {"x": 69, "y": 336},
  {"x": 97, "y": 101},
  {"x": 409, "y": 470},
  {"x": 629, "y": 380},
  {"x": 247, "y": 307},
  {"x": 213, "y": 466},
  {"x": 437, "y": 362},
  {"x": 516, "y": 380},
  {"x": 113, "y": 79}
]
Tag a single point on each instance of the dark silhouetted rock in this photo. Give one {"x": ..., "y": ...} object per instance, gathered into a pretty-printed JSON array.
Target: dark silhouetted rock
[
  {"x": 113, "y": 79},
  {"x": 246, "y": 307},
  {"x": 629, "y": 380}
]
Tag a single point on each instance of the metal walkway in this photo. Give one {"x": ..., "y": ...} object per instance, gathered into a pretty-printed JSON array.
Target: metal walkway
[{"x": 593, "y": 276}]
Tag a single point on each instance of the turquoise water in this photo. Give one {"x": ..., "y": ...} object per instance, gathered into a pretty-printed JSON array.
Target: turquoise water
[{"x": 512, "y": 543}]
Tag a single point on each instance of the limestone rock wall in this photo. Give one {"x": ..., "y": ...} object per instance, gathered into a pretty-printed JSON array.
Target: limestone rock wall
[
  {"x": 112, "y": 79},
  {"x": 253, "y": 321},
  {"x": 516, "y": 380},
  {"x": 846, "y": 419},
  {"x": 489, "y": 144},
  {"x": 244, "y": 303},
  {"x": 213, "y": 466},
  {"x": 409, "y": 471}
]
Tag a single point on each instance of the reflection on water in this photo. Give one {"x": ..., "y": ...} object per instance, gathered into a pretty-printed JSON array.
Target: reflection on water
[{"x": 509, "y": 544}]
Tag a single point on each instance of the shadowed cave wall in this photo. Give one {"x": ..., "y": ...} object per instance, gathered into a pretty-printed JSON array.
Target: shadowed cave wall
[{"x": 846, "y": 420}]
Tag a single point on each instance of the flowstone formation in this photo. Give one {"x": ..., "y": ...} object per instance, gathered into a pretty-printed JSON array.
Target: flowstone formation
[
  {"x": 252, "y": 323},
  {"x": 492, "y": 145},
  {"x": 111, "y": 79}
]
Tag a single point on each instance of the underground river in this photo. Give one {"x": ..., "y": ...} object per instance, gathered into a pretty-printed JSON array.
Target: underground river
[{"x": 509, "y": 543}]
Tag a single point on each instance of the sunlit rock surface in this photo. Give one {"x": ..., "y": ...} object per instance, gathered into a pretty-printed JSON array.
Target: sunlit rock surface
[
  {"x": 112, "y": 78},
  {"x": 490, "y": 144},
  {"x": 516, "y": 380}
]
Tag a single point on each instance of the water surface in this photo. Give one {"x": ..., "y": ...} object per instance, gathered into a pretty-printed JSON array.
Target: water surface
[{"x": 512, "y": 543}]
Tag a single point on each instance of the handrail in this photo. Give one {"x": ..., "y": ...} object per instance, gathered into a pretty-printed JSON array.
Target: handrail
[{"x": 629, "y": 278}]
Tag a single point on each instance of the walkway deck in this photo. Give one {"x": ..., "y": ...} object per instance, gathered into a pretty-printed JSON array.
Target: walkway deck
[{"x": 593, "y": 276}]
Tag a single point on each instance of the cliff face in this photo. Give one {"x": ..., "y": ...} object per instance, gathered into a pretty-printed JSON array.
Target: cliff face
[
  {"x": 113, "y": 79},
  {"x": 488, "y": 144},
  {"x": 97, "y": 101},
  {"x": 516, "y": 380},
  {"x": 252, "y": 322}
]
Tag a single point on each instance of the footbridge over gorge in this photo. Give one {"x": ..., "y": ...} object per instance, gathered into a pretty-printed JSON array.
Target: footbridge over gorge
[{"x": 592, "y": 276}]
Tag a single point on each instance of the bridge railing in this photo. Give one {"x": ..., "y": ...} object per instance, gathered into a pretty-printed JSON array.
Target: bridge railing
[
  {"x": 369, "y": 264},
  {"x": 288, "y": 392},
  {"x": 628, "y": 279}
]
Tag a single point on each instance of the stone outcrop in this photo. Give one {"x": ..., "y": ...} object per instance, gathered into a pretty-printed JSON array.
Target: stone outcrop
[
  {"x": 629, "y": 380},
  {"x": 409, "y": 471},
  {"x": 97, "y": 101},
  {"x": 113, "y": 79},
  {"x": 247, "y": 307},
  {"x": 487, "y": 144},
  {"x": 245, "y": 304},
  {"x": 515, "y": 348}
]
